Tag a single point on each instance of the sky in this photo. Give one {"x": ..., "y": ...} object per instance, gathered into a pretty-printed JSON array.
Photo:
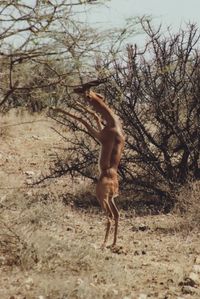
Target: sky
[
  {"x": 170, "y": 13},
  {"x": 113, "y": 13},
  {"x": 174, "y": 13}
]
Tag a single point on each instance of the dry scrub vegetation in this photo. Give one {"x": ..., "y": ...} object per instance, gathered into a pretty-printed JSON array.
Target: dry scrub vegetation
[
  {"x": 50, "y": 234},
  {"x": 188, "y": 204}
]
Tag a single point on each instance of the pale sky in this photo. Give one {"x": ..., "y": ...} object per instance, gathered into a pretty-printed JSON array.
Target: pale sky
[{"x": 169, "y": 12}]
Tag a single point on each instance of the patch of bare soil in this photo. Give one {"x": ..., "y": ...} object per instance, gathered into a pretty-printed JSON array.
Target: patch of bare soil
[{"x": 50, "y": 250}]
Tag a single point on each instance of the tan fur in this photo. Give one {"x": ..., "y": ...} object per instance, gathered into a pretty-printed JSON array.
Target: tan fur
[
  {"x": 112, "y": 144},
  {"x": 111, "y": 138}
]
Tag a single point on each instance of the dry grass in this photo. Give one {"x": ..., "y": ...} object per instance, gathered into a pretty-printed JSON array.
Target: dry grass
[
  {"x": 188, "y": 205},
  {"x": 4, "y": 133},
  {"x": 50, "y": 240},
  {"x": 51, "y": 250}
]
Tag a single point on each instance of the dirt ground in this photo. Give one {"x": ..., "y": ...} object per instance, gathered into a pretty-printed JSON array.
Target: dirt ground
[{"x": 50, "y": 250}]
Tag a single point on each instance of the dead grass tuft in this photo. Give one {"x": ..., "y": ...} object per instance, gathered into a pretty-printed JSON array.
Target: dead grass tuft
[
  {"x": 188, "y": 204},
  {"x": 4, "y": 132}
]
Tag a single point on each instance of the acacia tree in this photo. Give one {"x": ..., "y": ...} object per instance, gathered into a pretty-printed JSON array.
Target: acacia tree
[
  {"x": 156, "y": 92},
  {"x": 160, "y": 109},
  {"x": 42, "y": 49}
]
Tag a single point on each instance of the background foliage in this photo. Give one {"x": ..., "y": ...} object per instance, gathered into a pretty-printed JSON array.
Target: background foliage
[{"x": 45, "y": 50}]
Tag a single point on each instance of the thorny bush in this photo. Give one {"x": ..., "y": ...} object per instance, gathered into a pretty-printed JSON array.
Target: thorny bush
[{"x": 156, "y": 93}]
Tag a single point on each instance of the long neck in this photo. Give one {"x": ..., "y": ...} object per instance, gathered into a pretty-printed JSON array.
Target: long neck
[{"x": 98, "y": 104}]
